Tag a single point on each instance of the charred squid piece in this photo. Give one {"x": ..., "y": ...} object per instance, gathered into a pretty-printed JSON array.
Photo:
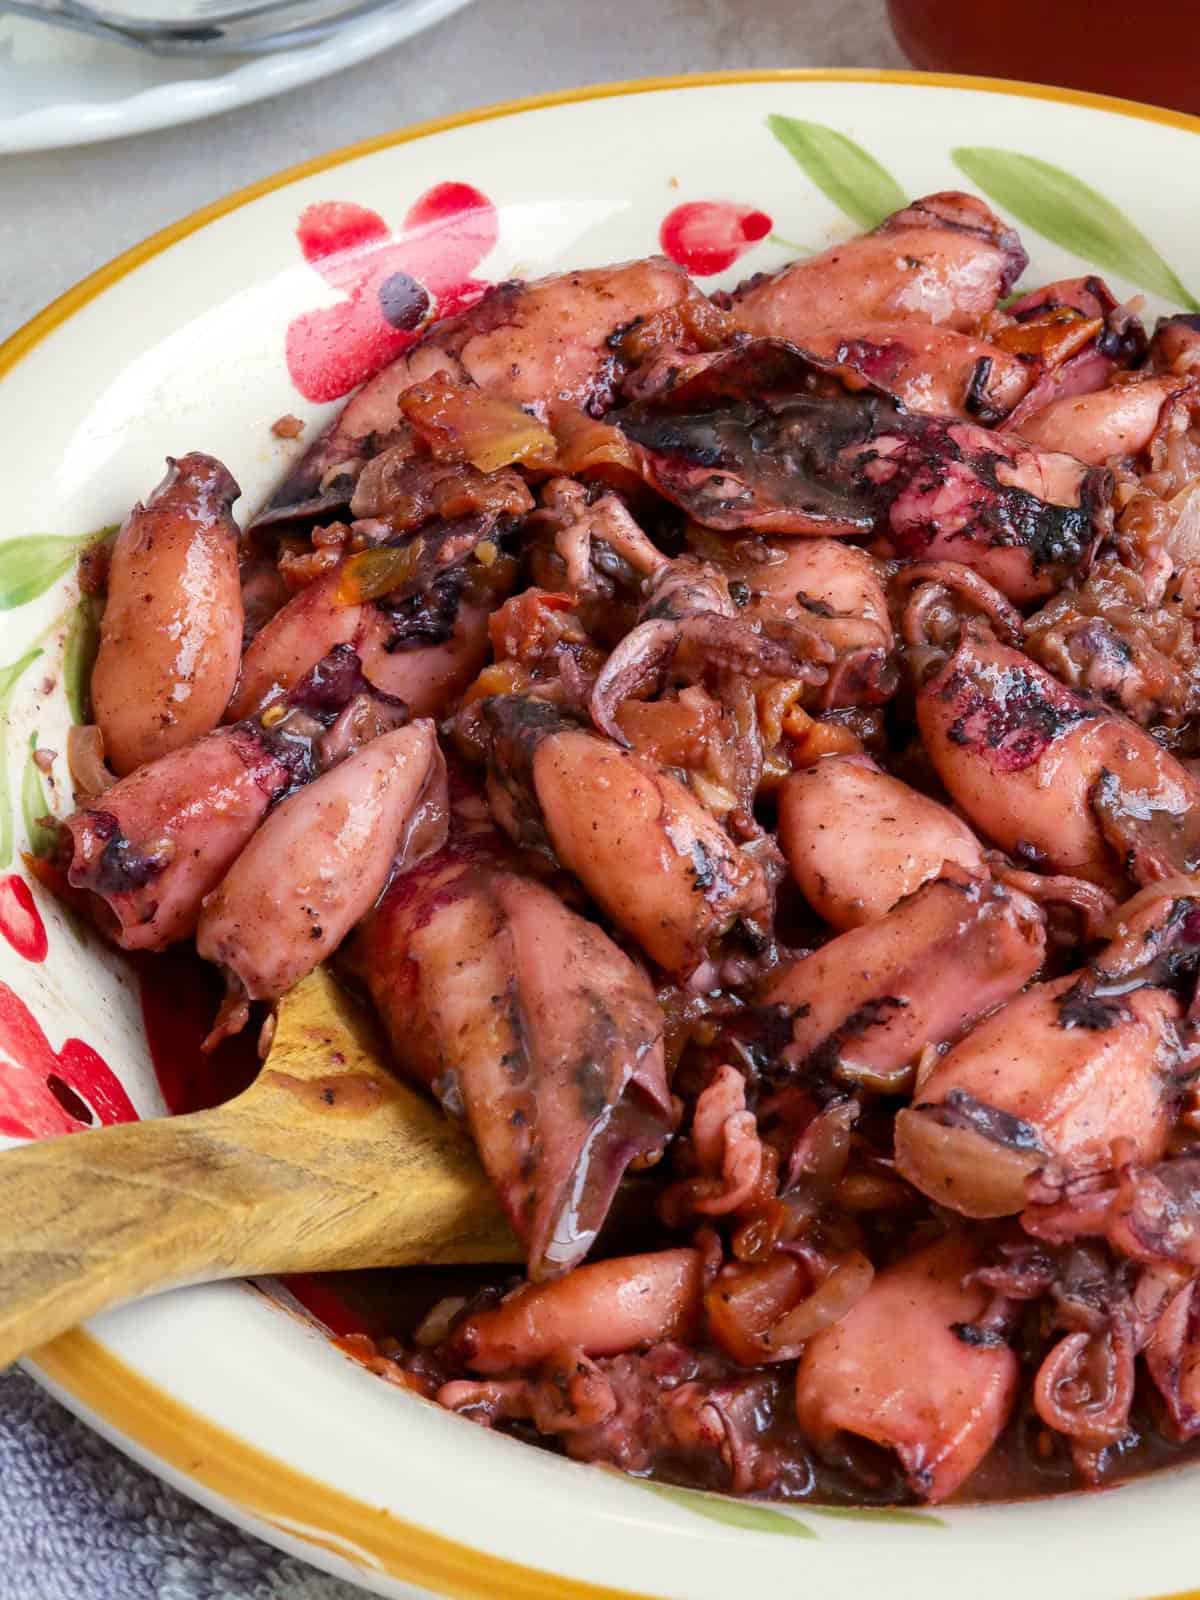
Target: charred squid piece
[
  {"x": 530, "y": 342},
  {"x": 1175, "y": 347},
  {"x": 528, "y": 1023},
  {"x": 1056, "y": 782},
  {"x": 767, "y": 438},
  {"x": 603, "y": 1308},
  {"x": 757, "y": 440},
  {"x": 864, "y": 1006},
  {"x": 171, "y": 634},
  {"x": 933, "y": 370},
  {"x": 946, "y": 260},
  {"x": 1055, "y": 1075},
  {"x": 1025, "y": 519},
  {"x": 829, "y": 589},
  {"x": 320, "y": 861},
  {"x": 1122, "y": 421},
  {"x": 689, "y": 627},
  {"x": 857, "y": 840},
  {"x": 643, "y": 847},
  {"x": 901, "y": 1370},
  {"x": 416, "y": 613}
]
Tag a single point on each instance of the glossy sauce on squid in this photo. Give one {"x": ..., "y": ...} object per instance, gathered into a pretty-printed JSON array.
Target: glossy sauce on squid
[{"x": 744, "y": 748}]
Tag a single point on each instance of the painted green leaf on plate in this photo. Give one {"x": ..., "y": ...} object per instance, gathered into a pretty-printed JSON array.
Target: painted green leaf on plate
[
  {"x": 29, "y": 566},
  {"x": 8, "y": 679},
  {"x": 79, "y": 656},
  {"x": 892, "y": 1514},
  {"x": 734, "y": 1513},
  {"x": 1070, "y": 212},
  {"x": 35, "y": 806},
  {"x": 855, "y": 182}
]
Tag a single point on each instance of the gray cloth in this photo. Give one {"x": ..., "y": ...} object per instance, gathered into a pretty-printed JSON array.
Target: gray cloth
[{"x": 80, "y": 1522}]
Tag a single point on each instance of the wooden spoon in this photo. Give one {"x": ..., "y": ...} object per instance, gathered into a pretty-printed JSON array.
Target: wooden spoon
[{"x": 326, "y": 1161}]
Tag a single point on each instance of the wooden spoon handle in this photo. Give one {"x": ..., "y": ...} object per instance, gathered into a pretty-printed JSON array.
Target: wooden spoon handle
[{"x": 92, "y": 1220}]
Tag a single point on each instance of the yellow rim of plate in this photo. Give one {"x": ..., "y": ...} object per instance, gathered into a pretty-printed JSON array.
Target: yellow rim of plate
[
  {"x": 219, "y": 1461},
  {"x": 285, "y": 1498}
]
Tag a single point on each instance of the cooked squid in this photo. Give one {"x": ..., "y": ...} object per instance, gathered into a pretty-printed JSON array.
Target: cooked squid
[
  {"x": 640, "y": 843},
  {"x": 1059, "y": 783},
  {"x": 1057, "y": 1074},
  {"x": 767, "y": 438},
  {"x": 857, "y": 840},
  {"x": 896, "y": 1370},
  {"x": 864, "y": 1006},
  {"x": 525, "y": 1020},
  {"x": 171, "y": 633},
  {"x": 322, "y": 858},
  {"x": 944, "y": 260},
  {"x": 746, "y": 748}
]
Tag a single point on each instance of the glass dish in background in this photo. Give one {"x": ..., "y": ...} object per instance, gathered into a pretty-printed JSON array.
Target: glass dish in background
[
  {"x": 1150, "y": 54},
  {"x": 211, "y": 27}
]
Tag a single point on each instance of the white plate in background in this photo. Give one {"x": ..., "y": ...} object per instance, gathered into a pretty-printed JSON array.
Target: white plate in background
[{"x": 59, "y": 87}]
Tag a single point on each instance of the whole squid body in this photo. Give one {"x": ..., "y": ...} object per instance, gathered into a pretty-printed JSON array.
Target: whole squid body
[
  {"x": 944, "y": 260},
  {"x": 1065, "y": 1075},
  {"x": 535, "y": 343},
  {"x": 1059, "y": 782},
  {"x": 767, "y": 437},
  {"x": 642, "y": 845},
  {"x": 149, "y": 848},
  {"x": 857, "y": 840},
  {"x": 528, "y": 1023},
  {"x": 896, "y": 1371},
  {"x": 862, "y": 1008},
  {"x": 171, "y": 634},
  {"x": 322, "y": 858},
  {"x": 1056, "y": 1074}
]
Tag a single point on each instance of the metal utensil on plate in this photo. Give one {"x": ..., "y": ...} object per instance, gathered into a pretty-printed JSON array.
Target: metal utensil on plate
[{"x": 200, "y": 27}]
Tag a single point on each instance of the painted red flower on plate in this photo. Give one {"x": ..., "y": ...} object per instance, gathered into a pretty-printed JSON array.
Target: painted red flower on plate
[
  {"x": 394, "y": 284},
  {"x": 707, "y": 236},
  {"x": 43, "y": 1091},
  {"x": 20, "y": 920}
]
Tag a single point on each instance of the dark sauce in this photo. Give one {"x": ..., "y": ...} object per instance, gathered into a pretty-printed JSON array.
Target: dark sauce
[{"x": 179, "y": 996}]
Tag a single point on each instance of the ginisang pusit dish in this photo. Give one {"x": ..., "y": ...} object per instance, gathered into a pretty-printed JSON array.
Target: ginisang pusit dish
[{"x": 742, "y": 747}]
